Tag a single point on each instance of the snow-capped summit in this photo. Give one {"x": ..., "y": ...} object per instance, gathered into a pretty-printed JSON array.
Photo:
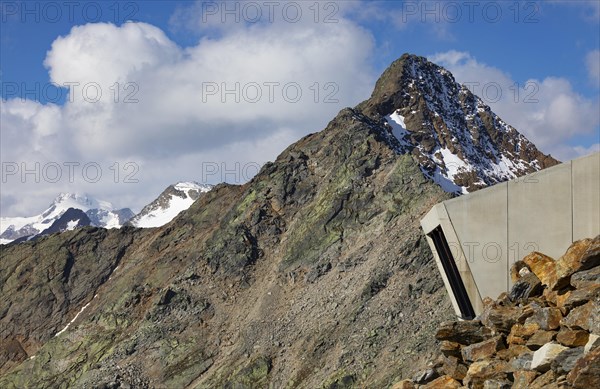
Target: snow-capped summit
[
  {"x": 169, "y": 204},
  {"x": 99, "y": 213},
  {"x": 456, "y": 138}
]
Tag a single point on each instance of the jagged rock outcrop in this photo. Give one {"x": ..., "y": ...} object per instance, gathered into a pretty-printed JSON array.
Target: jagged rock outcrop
[
  {"x": 548, "y": 338},
  {"x": 456, "y": 138}
]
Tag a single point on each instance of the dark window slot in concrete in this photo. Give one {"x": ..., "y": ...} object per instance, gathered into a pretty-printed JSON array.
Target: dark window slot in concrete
[{"x": 452, "y": 273}]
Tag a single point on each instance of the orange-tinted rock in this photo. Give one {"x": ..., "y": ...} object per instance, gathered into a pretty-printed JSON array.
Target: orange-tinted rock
[
  {"x": 512, "y": 351},
  {"x": 586, "y": 373},
  {"x": 481, "y": 371},
  {"x": 540, "y": 338},
  {"x": 519, "y": 333},
  {"x": 544, "y": 381},
  {"x": 449, "y": 348},
  {"x": 482, "y": 350},
  {"x": 542, "y": 266},
  {"x": 572, "y": 338},
  {"x": 502, "y": 318},
  {"x": 463, "y": 332},
  {"x": 582, "y": 255},
  {"x": 443, "y": 382},
  {"x": 523, "y": 378}
]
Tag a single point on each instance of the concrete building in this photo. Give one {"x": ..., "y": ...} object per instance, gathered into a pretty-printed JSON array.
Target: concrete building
[{"x": 476, "y": 238}]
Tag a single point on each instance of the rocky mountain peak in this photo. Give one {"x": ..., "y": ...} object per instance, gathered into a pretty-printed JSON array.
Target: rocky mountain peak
[{"x": 459, "y": 142}]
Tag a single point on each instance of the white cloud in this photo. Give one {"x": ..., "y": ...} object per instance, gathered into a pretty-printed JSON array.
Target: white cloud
[
  {"x": 174, "y": 127},
  {"x": 549, "y": 112},
  {"x": 592, "y": 62}
]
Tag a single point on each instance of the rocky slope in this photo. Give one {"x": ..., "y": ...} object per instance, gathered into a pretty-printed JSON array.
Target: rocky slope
[
  {"x": 314, "y": 274},
  {"x": 545, "y": 333},
  {"x": 98, "y": 214},
  {"x": 170, "y": 203}
]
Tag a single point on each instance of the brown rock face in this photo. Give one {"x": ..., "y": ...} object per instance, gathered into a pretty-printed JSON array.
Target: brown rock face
[
  {"x": 523, "y": 378},
  {"x": 585, "y": 317},
  {"x": 572, "y": 338},
  {"x": 463, "y": 332},
  {"x": 520, "y": 333},
  {"x": 586, "y": 373},
  {"x": 586, "y": 278},
  {"x": 582, "y": 255},
  {"x": 540, "y": 338},
  {"x": 482, "y": 350},
  {"x": 543, "y": 267},
  {"x": 454, "y": 368},
  {"x": 481, "y": 371},
  {"x": 546, "y": 318},
  {"x": 449, "y": 348}
]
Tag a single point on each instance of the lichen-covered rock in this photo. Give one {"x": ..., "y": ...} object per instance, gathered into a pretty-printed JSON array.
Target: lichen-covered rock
[{"x": 497, "y": 384}]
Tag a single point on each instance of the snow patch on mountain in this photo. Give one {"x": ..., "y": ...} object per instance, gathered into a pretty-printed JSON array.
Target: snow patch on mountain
[{"x": 175, "y": 199}]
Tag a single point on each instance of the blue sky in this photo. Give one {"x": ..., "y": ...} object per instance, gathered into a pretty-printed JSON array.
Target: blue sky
[{"x": 169, "y": 50}]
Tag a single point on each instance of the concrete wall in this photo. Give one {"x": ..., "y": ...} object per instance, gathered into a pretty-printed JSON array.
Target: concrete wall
[
  {"x": 492, "y": 228},
  {"x": 586, "y": 196}
]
